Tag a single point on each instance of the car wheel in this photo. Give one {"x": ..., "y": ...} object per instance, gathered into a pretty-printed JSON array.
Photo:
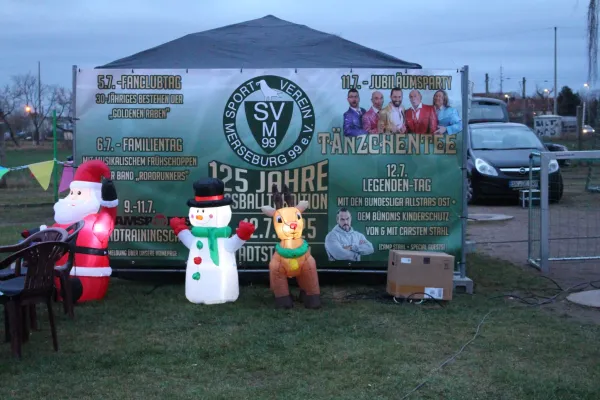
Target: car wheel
[
  {"x": 556, "y": 195},
  {"x": 470, "y": 193}
]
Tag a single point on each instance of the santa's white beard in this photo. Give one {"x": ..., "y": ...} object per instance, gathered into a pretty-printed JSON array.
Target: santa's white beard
[{"x": 67, "y": 213}]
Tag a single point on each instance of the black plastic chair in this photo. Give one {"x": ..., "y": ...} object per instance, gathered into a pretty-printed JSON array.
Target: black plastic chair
[
  {"x": 50, "y": 234},
  {"x": 47, "y": 235},
  {"x": 36, "y": 286},
  {"x": 63, "y": 272}
]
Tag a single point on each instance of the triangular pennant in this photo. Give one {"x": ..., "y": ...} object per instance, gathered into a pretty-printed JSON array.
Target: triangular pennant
[
  {"x": 3, "y": 171},
  {"x": 42, "y": 171},
  {"x": 66, "y": 178}
]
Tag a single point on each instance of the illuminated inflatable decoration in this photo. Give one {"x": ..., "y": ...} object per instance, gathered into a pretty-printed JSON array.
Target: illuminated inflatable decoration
[
  {"x": 211, "y": 275},
  {"x": 292, "y": 256},
  {"x": 93, "y": 199}
]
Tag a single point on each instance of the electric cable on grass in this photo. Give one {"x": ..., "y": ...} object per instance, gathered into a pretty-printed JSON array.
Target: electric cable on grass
[
  {"x": 549, "y": 300},
  {"x": 420, "y": 385},
  {"x": 532, "y": 300}
]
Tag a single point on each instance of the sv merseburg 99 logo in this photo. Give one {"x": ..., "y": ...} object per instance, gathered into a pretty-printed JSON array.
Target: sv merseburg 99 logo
[{"x": 269, "y": 106}]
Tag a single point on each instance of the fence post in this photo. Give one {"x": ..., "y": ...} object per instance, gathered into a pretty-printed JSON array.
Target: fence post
[
  {"x": 55, "y": 169},
  {"x": 464, "y": 138},
  {"x": 529, "y": 211},
  {"x": 579, "y": 117},
  {"x": 544, "y": 213}
]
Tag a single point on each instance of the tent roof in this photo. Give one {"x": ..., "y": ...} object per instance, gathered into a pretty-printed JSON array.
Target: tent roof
[{"x": 267, "y": 42}]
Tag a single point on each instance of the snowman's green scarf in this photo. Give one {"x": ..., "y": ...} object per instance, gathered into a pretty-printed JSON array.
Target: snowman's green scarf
[{"x": 212, "y": 234}]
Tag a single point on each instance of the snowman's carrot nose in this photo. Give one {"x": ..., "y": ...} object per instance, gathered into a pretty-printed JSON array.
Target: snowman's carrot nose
[{"x": 199, "y": 217}]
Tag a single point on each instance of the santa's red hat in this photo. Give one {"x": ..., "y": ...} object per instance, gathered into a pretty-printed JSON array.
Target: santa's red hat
[{"x": 89, "y": 175}]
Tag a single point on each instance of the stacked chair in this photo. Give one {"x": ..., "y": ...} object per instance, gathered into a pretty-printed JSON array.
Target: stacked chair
[
  {"x": 27, "y": 278},
  {"x": 63, "y": 271}
]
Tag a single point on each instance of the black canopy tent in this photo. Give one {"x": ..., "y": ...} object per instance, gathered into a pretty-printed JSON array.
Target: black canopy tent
[
  {"x": 263, "y": 43},
  {"x": 267, "y": 42}
]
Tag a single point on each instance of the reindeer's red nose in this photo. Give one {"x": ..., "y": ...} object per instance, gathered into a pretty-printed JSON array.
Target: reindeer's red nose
[{"x": 293, "y": 225}]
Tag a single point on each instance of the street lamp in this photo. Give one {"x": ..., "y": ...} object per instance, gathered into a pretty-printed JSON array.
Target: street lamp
[
  {"x": 29, "y": 111},
  {"x": 585, "y": 98}
]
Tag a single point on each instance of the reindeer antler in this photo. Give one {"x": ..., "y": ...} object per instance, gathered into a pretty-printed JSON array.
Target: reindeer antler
[
  {"x": 277, "y": 197},
  {"x": 287, "y": 196}
]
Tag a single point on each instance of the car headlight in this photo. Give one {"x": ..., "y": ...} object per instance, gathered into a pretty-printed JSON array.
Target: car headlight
[
  {"x": 552, "y": 166},
  {"x": 484, "y": 168}
]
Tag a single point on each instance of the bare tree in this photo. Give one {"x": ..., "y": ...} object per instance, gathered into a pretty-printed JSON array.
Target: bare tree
[
  {"x": 542, "y": 93},
  {"x": 63, "y": 102},
  {"x": 19, "y": 121},
  {"x": 539, "y": 93},
  {"x": 592, "y": 40},
  {"x": 40, "y": 100},
  {"x": 9, "y": 99}
]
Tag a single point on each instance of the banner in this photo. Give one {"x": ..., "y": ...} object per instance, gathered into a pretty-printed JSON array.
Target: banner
[{"x": 374, "y": 180}]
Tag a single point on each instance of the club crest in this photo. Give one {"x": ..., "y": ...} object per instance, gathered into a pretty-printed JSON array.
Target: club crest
[{"x": 273, "y": 109}]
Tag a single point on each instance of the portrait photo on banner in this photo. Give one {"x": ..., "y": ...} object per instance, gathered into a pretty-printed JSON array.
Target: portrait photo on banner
[
  {"x": 401, "y": 132},
  {"x": 402, "y": 110}
]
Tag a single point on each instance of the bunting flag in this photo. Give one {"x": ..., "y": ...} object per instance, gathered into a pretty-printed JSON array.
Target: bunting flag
[
  {"x": 42, "y": 171},
  {"x": 67, "y": 177}
]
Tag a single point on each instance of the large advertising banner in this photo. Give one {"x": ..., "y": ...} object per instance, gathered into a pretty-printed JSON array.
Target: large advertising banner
[{"x": 376, "y": 153}]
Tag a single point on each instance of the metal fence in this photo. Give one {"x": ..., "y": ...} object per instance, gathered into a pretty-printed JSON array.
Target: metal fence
[{"x": 564, "y": 207}]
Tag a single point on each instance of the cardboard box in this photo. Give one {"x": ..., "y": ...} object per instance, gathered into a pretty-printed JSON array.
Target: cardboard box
[{"x": 412, "y": 273}]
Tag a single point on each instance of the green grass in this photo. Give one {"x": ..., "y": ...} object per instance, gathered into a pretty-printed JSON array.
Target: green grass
[
  {"x": 28, "y": 154},
  {"x": 137, "y": 344},
  {"x": 22, "y": 188}
]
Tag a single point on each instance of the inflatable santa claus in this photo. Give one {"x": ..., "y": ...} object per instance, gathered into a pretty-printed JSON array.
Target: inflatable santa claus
[{"x": 93, "y": 199}]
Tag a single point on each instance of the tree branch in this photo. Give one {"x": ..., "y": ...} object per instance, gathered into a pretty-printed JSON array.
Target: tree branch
[
  {"x": 9, "y": 99},
  {"x": 41, "y": 98}
]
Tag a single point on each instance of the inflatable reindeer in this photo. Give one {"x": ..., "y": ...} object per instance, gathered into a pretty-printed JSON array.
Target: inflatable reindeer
[{"x": 292, "y": 256}]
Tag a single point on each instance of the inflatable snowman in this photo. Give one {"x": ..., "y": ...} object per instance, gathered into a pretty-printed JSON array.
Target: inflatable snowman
[{"x": 211, "y": 275}]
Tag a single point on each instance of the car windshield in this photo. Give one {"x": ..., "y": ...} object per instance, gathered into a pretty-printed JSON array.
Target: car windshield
[
  {"x": 486, "y": 111},
  {"x": 504, "y": 138}
]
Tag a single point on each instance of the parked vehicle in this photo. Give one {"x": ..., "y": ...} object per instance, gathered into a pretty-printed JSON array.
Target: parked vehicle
[
  {"x": 18, "y": 135},
  {"x": 487, "y": 109},
  {"x": 558, "y": 147},
  {"x": 560, "y": 127},
  {"x": 498, "y": 162}
]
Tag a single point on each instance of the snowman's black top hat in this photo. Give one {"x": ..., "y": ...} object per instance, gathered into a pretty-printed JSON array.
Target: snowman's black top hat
[{"x": 209, "y": 192}]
